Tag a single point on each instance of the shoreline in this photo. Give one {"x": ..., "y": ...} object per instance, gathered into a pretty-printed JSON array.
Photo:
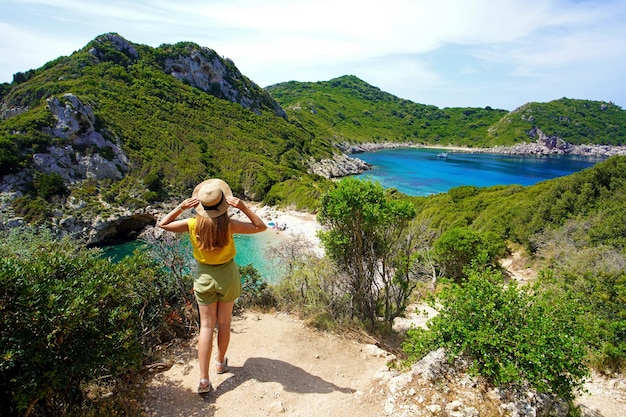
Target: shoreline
[
  {"x": 286, "y": 223},
  {"x": 541, "y": 147}
]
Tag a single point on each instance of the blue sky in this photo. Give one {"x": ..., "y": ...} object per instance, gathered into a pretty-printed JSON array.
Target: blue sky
[{"x": 448, "y": 53}]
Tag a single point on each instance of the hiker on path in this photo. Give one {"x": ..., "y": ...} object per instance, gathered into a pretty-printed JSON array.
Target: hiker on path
[{"x": 217, "y": 282}]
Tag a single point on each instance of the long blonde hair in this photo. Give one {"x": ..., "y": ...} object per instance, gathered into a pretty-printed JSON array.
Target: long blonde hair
[{"x": 212, "y": 233}]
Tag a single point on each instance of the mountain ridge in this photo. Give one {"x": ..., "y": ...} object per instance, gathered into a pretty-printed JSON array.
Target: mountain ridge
[{"x": 117, "y": 129}]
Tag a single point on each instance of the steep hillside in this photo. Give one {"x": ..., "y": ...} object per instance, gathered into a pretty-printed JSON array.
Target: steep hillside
[
  {"x": 181, "y": 113},
  {"x": 117, "y": 124}
]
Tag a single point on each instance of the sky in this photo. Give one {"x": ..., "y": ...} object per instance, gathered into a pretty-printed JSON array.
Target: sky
[{"x": 447, "y": 53}]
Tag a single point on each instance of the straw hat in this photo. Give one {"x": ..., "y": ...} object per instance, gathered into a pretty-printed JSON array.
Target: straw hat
[{"x": 212, "y": 194}]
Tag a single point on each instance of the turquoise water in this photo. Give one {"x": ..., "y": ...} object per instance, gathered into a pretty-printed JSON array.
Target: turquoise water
[
  {"x": 413, "y": 172},
  {"x": 420, "y": 172},
  {"x": 251, "y": 249}
]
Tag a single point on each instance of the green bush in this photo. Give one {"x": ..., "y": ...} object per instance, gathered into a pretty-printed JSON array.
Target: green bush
[
  {"x": 510, "y": 334},
  {"x": 48, "y": 185},
  {"x": 256, "y": 291},
  {"x": 459, "y": 246},
  {"x": 70, "y": 317}
]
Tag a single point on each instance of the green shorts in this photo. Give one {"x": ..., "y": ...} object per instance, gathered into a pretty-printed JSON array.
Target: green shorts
[{"x": 217, "y": 283}]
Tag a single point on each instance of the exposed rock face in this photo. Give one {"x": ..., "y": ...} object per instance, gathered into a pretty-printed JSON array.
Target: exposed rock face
[
  {"x": 119, "y": 43},
  {"x": 204, "y": 69},
  {"x": 340, "y": 165},
  {"x": 8, "y": 112},
  {"x": 86, "y": 154},
  {"x": 123, "y": 226}
]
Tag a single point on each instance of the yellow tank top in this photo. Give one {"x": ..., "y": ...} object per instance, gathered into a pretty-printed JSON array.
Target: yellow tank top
[{"x": 213, "y": 257}]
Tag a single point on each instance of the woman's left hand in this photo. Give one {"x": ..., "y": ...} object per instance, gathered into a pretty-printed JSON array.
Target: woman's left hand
[{"x": 189, "y": 203}]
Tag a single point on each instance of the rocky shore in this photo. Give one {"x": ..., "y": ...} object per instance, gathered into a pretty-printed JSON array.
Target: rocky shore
[{"x": 543, "y": 146}]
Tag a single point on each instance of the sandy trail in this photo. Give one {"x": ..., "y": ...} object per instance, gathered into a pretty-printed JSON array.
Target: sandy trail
[{"x": 277, "y": 366}]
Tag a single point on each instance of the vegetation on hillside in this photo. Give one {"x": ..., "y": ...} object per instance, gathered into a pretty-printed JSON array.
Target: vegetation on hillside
[
  {"x": 169, "y": 129},
  {"x": 347, "y": 109},
  {"x": 577, "y": 122}
]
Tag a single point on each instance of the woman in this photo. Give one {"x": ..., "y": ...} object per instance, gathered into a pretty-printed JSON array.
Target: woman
[{"x": 217, "y": 282}]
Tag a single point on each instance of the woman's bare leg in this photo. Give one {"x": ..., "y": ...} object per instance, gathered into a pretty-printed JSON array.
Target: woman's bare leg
[
  {"x": 224, "y": 317},
  {"x": 208, "y": 318}
]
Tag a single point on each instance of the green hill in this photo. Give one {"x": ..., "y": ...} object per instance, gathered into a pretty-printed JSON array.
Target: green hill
[
  {"x": 575, "y": 121},
  {"x": 123, "y": 125},
  {"x": 348, "y": 109},
  {"x": 180, "y": 113}
]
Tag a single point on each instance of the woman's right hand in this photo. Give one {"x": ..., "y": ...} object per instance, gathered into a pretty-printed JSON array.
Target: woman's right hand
[{"x": 236, "y": 203}]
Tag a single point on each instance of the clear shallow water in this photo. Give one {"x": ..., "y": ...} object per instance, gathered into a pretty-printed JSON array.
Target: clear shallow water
[
  {"x": 251, "y": 249},
  {"x": 420, "y": 172}
]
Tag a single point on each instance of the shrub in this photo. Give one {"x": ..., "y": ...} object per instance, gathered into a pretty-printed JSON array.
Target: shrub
[
  {"x": 459, "y": 246},
  {"x": 70, "y": 317},
  {"x": 48, "y": 185},
  {"x": 511, "y": 335},
  {"x": 256, "y": 291}
]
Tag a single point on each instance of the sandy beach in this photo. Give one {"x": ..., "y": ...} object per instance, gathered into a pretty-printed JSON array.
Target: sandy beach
[{"x": 288, "y": 222}]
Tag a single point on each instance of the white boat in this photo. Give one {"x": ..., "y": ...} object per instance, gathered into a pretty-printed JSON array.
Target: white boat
[{"x": 442, "y": 155}]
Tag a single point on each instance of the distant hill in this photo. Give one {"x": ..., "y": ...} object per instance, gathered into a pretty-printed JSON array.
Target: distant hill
[{"x": 349, "y": 109}]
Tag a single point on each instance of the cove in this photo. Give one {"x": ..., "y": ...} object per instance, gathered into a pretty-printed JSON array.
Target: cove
[{"x": 422, "y": 172}]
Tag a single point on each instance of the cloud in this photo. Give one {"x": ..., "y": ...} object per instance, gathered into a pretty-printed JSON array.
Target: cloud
[{"x": 406, "y": 47}]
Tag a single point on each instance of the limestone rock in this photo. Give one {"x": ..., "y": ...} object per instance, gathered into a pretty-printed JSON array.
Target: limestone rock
[
  {"x": 85, "y": 153},
  {"x": 340, "y": 165},
  {"x": 203, "y": 68}
]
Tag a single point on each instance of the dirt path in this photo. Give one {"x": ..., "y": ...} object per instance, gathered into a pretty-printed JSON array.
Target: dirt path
[{"x": 277, "y": 367}]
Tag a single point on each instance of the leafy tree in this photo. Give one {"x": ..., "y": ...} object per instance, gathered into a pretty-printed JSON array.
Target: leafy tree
[
  {"x": 510, "y": 334},
  {"x": 364, "y": 226}
]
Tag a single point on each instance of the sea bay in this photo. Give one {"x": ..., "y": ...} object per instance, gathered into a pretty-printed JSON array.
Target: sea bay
[
  {"x": 421, "y": 172},
  {"x": 416, "y": 172}
]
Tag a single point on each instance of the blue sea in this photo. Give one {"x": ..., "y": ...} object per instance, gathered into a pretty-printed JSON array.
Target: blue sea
[
  {"x": 416, "y": 172},
  {"x": 420, "y": 172}
]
